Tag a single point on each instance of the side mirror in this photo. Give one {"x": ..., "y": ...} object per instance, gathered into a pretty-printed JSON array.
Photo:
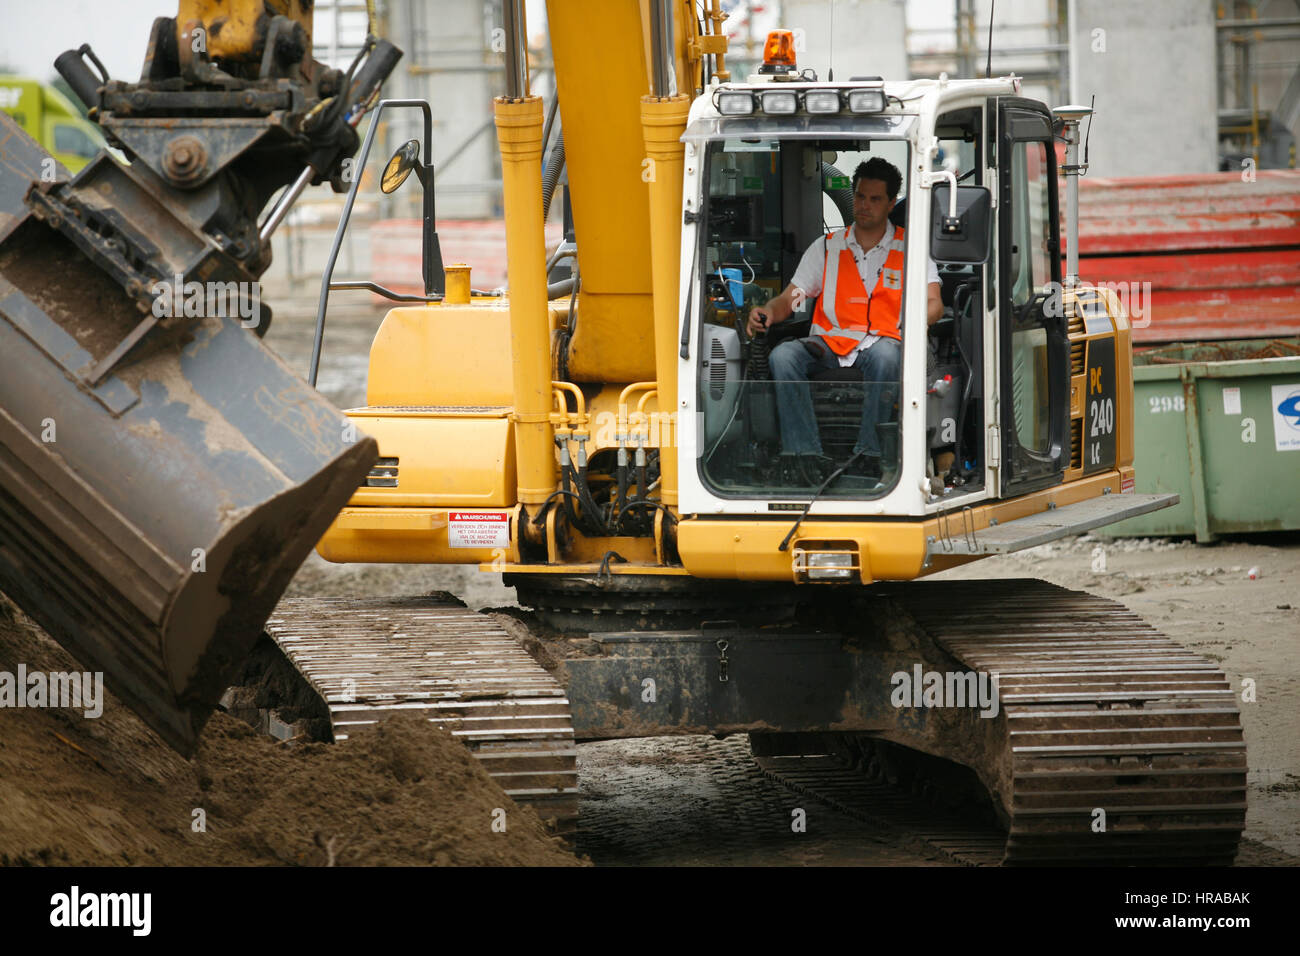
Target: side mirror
[
  {"x": 406, "y": 159},
  {"x": 965, "y": 237}
]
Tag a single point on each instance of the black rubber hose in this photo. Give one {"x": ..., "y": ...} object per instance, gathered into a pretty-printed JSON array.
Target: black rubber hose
[
  {"x": 622, "y": 507},
  {"x": 591, "y": 510},
  {"x": 541, "y": 513},
  {"x": 843, "y": 198},
  {"x": 570, "y": 497},
  {"x": 620, "y": 498},
  {"x": 551, "y": 173}
]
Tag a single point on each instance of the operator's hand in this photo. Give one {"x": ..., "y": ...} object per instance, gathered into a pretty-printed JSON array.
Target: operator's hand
[{"x": 760, "y": 319}]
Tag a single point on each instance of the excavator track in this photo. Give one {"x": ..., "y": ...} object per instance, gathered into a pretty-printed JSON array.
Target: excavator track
[
  {"x": 1110, "y": 744},
  {"x": 1117, "y": 745},
  {"x": 369, "y": 659},
  {"x": 1120, "y": 745}
]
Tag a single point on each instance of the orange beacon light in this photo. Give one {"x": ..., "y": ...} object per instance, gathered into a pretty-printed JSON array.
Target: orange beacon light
[{"x": 778, "y": 52}]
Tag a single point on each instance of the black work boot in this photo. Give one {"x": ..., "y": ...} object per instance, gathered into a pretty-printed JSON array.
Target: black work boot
[
  {"x": 865, "y": 466},
  {"x": 788, "y": 471},
  {"x": 816, "y": 468}
]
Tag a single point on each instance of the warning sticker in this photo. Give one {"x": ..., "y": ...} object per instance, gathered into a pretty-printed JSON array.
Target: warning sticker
[
  {"x": 478, "y": 529},
  {"x": 1286, "y": 417},
  {"x": 1232, "y": 401}
]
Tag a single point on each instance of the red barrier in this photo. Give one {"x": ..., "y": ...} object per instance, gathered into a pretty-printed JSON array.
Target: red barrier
[{"x": 1208, "y": 256}]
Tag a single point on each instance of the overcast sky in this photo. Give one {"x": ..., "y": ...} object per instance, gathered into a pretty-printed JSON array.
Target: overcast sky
[{"x": 33, "y": 34}]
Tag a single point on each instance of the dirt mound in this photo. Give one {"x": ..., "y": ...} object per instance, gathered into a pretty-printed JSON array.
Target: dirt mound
[
  {"x": 402, "y": 793},
  {"x": 107, "y": 791}
]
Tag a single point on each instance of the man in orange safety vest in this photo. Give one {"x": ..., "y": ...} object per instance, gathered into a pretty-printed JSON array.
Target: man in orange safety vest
[{"x": 856, "y": 276}]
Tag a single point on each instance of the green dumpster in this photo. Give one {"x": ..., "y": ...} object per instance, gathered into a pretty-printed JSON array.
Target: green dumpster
[{"x": 1218, "y": 423}]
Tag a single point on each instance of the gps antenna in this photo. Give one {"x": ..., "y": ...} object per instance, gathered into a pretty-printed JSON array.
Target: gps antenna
[
  {"x": 988, "y": 66},
  {"x": 830, "y": 58},
  {"x": 1088, "y": 136}
]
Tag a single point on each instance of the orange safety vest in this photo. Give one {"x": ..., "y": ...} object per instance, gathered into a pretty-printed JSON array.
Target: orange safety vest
[{"x": 845, "y": 315}]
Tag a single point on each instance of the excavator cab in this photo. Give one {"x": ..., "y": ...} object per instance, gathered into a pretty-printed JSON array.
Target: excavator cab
[
  {"x": 768, "y": 200},
  {"x": 776, "y": 163}
]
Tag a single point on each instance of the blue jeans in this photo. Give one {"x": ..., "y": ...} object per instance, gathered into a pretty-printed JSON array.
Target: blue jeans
[{"x": 792, "y": 364}]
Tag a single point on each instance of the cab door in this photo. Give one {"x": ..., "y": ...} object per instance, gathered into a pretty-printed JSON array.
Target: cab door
[{"x": 1033, "y": 347}]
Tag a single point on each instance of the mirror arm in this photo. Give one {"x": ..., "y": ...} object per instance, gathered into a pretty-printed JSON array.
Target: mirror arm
[
  {"x": 328, "y": 274},
  {"x": 430, "y": 249},
  {"x": 932, "y": 178}
]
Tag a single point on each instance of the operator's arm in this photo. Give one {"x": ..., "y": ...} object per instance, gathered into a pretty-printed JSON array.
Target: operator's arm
[
  {"x": 805, "y": 285},
  {"x": 933, "y": 304},
  {"x": 763, "y": 317},
  {"x": 933, "y": 297}
]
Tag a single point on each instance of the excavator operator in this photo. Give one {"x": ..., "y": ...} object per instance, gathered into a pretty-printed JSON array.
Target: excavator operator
[{"x": 852, "y": 327}]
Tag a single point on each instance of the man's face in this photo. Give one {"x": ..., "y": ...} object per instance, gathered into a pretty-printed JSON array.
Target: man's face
[{"x": 871, "y": 204}]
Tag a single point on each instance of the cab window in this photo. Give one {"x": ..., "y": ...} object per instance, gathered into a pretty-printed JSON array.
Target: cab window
[{"x": 73, "y": 139}]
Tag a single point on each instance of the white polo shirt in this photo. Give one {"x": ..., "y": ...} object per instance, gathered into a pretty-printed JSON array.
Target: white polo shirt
[{"x": 808, "y": 277}]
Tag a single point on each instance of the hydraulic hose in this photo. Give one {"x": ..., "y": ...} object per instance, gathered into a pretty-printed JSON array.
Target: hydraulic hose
[
  {"x": 843, "y": 198},
  {"x": 551, "y": 171}
]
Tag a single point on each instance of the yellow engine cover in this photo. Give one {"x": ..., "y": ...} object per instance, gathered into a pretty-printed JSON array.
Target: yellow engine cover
[
  {"x": 439, "y": 468},
  {"x": 422, "y": 536},
  {"x": 440, "y": 456},
  {"x": 443, "y": 355}
]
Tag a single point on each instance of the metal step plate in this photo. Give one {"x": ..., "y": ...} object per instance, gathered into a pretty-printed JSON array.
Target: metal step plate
[{"x": 1048, "y": 525}]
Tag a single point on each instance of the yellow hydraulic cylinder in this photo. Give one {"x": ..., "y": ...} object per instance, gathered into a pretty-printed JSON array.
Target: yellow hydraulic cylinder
[
  {"x": 519, "y": 131},
  {"x": 663, "y": 120}
]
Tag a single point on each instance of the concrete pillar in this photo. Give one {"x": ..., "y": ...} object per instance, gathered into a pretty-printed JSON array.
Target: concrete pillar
[
  {"x": 1151, "y": 66},
  {"x": 451, "y": 62}
]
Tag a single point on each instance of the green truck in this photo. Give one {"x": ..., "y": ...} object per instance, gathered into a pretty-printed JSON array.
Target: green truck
[{"x": 49, "y": 117}]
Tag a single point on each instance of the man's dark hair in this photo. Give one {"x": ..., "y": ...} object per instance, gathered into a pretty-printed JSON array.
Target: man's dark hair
[{"x": 882, "y": 170}]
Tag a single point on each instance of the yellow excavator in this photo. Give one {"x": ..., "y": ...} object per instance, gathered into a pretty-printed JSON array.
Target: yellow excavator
[
  {"x": 611, "y": 442},
  {"x": 608, "y": 436}
]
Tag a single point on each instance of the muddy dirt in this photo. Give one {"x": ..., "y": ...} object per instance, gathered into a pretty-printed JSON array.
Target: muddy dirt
[
  {"x": 57, "y": 278},
  {"x": 108, "y": 791}
]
